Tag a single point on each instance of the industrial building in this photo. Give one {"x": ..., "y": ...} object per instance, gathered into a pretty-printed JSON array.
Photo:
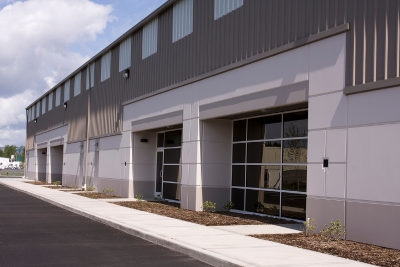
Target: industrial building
[{"x": 286, "y": 108}]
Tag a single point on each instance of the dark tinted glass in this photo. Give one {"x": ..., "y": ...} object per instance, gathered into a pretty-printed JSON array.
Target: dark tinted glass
[
  {"x": 159, "y": 171},
  {"x": 239, "y": 131},
  {"x": 265, "y": 128},
  {"x": 173, "y": 138},
  {"x": 171, "y": 191},
  {"x": 263, "y": 176},
  {"x": 238, "y": 198},
  {"x": 294, "y": 206},
  {"x": 294, "y": 151},
  {"x": 172, "y": 173},
  {"x": 262, "y": 202},
  {"x": 264, "y": 152},
  {"x": 172, "y": 156},
  {"x": 239, "y": 153},
  {"x": 294, "y": 178},
  {"x": 295, "y": 124},
  {"x": 160, "y": 140},
  {"x": 238, "y": 172}
]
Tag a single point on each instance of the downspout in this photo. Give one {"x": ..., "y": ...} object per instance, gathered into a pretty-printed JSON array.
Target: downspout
[{"x": 87, "y": 129}]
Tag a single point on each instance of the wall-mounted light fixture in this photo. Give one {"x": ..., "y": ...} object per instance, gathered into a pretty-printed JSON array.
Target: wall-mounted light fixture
[
  {"x": 81, "y": 146},
  {"x": 143, "y": 140},
  {"x": 43, "y": 153},
  {"x": 126, "y": 73},
  {"x": 325, "y": 163},
  {"x": 65, "y": 104},
  {"x": 97, "y": 144},
  {"x": 35, "y": 120}
]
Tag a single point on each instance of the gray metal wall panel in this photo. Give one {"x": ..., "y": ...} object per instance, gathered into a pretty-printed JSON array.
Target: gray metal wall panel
[{"x": 256, "y": 27}]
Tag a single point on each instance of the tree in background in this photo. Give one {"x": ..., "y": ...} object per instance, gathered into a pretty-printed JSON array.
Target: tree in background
[
  {"x": 1, "y": 153},
  {"x": 9, "y": 150}
]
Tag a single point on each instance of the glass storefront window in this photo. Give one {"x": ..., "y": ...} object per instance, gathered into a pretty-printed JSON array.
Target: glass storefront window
[
  {"x": 269, "y": 169},
  {"x": 173, "y": 138},
  {"x": 264, "y": 152},
  {"x": 269, "y": 127}
]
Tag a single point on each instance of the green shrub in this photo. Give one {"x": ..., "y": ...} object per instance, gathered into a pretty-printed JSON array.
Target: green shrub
[
  {"x": 89, "y": 188},
  {"x": 139, "y": 197},
  {"x": 208, "y": 206},
  {"x": 58, "y": 183},
  {"x": 108, "y": 191},
  {"x": 335, "y": 231},
  {"x": 309, "y": 227},
  {"x": 73, "y": 187},
  {"x": 228, "y": 206}
]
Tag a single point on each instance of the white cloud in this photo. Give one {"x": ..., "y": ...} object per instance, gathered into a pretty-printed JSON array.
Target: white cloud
[{"x": 35, "y": 54}]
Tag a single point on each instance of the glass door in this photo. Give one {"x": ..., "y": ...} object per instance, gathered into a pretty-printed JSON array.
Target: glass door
[
  {"x": 168, "y": 171},
  {"x": 159, "y": 172}
]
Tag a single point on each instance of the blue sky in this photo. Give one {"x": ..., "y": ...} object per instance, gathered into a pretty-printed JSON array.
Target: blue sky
[{"x": 45, "y": 40}]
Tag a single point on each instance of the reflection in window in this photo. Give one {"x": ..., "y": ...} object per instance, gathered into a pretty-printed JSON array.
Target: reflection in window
[
  {"x": 295, "y": 124},
  {"x": 263, "y": 176},
  {"x": 294, "y": 151},
  {"x": 238, "y": 198},
  {"x": 264, "y": 152},
  {"x": 266, "y": 202},
  {"x": 172, "y": 173},
  {"x": 294, "y": 178},
  {"x": 172, "y": 191},
  {"x": 265, "y": 128},
  {"x": 239, "y": 131},
  {"x": 160, "y": 140},
  {"x": 172, "y": 156},
  {"x": 294, "y": 206},
  {"x": 238, "y": 173},
  {"x": 173, "y": 138},
  {"x": 239, "y": 153}
]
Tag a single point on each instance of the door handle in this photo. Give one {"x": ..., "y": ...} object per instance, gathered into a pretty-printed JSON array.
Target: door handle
[{"x": 160, "y": 173}]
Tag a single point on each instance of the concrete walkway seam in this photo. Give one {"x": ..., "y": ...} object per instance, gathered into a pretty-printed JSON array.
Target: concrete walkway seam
[{"x": 205, "y": 256}]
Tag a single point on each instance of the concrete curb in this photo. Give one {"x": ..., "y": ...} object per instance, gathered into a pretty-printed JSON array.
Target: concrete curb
[{"x": 202, "y": 255}]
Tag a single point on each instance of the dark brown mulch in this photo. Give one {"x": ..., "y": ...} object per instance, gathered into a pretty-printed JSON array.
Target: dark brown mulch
[
  {"x": 38, "y": 183},
  {"x": 371, "y": 254},
  {"x": 96, "y": 195},
  {"x": 219, "y": 218},
  {"x": 77, "y": 190}
]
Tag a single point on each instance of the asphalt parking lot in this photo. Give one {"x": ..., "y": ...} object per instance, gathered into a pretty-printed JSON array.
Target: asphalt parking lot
[{"x": 36, "y": 233}]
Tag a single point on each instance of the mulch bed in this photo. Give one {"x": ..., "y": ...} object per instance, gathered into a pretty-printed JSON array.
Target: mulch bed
[
  {"x": 77, "y": 190},
  {"x": 219, "y": 218},
  {"x": 95, "y": 195},
  {"x": 57, "y": 187},
  {"x": 38, "y": 183},
  {"x": 371, "y": 254}
]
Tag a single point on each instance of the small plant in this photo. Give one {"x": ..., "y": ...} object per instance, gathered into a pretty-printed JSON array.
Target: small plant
[
  {"x": 208, "y": 206},
  {"x": 139, "y": 197},
  {"x": 309, "y": 227},
  {"x": 7, "y": 173},
  {"x": 335, "y": 231},
  {"x": 89, "y": 188},
  {"x": 108, "y": 191},
  {"x": 159, "y": 197},
  {"x": 228, "y": 206},
  {"x": 272, "y": 210},
  {"x": 58, "y": 183},
  {"x": 42, "y": 181},
  {"x": 73, "y": 187}
]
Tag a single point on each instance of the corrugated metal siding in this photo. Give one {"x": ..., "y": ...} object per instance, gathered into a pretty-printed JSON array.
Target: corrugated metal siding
[
  {"x": 77, "y": 87},
  {"x": 149, "y": 39},
  {"x": 223, "y": 7},
  {"x": 256, "y": 27},
  {"x": 182, "y": 23},
  {"x": 105, "y": 66}
]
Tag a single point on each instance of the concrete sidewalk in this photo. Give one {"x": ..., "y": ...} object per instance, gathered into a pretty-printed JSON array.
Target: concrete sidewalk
[{"x": 213, "y": 245}]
